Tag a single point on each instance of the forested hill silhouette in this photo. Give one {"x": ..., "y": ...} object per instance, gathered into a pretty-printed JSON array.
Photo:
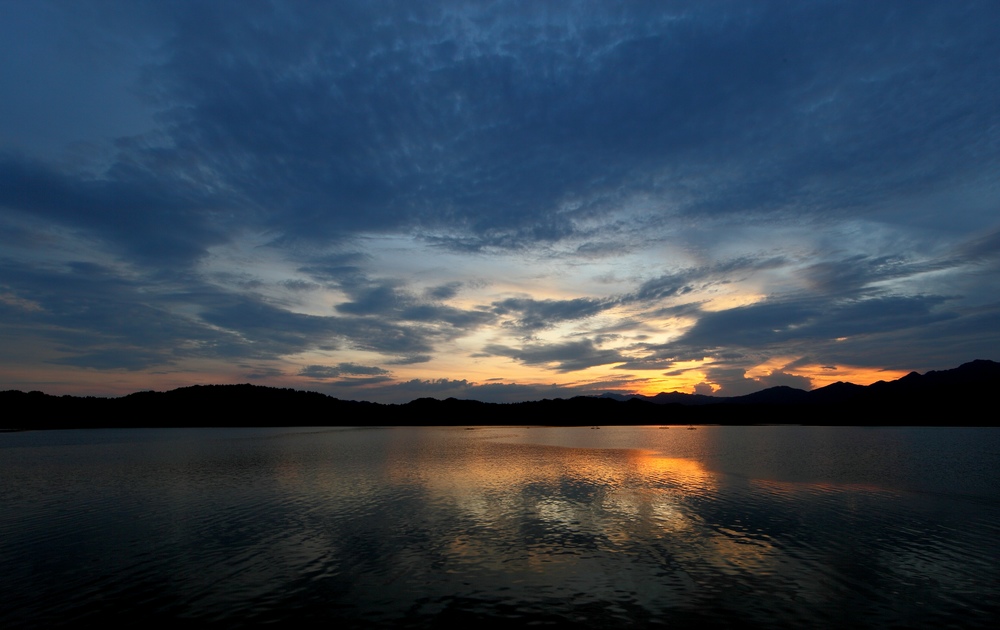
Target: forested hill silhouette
[
  {"x": 960, "y": 396},
  {"x": 975, "y": 380}
]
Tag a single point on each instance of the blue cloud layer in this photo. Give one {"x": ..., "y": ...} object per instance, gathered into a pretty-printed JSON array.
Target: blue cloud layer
[{"x": 836, "y": 159}]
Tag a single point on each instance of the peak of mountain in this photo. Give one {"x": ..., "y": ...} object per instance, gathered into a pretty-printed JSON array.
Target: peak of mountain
[
  {"x": 839, "y": 391},
  {"x": 975, "y": 379}
]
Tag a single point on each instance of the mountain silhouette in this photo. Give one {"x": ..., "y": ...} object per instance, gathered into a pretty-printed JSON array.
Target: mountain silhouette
[
  {"x": 960, "y": 396},
  {"x": 975, "y": 380}
]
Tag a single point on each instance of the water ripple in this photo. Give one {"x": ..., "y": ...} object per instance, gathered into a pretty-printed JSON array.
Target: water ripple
[{"x": 424, "y": 527}]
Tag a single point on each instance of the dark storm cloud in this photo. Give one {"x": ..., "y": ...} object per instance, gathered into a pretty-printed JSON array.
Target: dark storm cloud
[
  {"x": 850, "y": 276},
  {"x": 389, "y": 302},
  {"x": 345, "y": 117},
  {"x": 342, "y": 369},
  {"x": 258, "y": 373},
  {"x": 335, "y": 267},
  {"x": 319, "y": 371},
  {"x": 855, "y": 331},
  {"x": 269, "y": 331},
  {"x": 360, "y": 370},
  {"x": 102, "y": 319},
  {"x": 373, "y": 300},
  {"x": 648, "y": 363},
  {"x": 299, "y": 285},
  {"x": 444, "y": 291},
  {"x": 778, "y": 322},
  {"x": 140, "y": 218},
  {"x": 98, "y": 318},
  {"x": 566, "y": 357},
  {"x": 485, "y": 120},
  {"x": 663, "y": 287},
  {"x": 115, "y": 358},
  {"x": 266, "y": 331},
  {"x": 458, "y": 318},
  {"x": 530, "y": 315},
  {"x": 981, "y": 249},
  {"x": 317, "y": 120},
  {"x": 961, "y": 336},
  {"x": 684, "y": 281},
  {"x": 410, "y": 359}
]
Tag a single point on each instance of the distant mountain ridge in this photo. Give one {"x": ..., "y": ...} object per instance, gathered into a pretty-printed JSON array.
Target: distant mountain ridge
[
  {"x": 970, "y": 379},
  {"x": 962, "y": 395}
]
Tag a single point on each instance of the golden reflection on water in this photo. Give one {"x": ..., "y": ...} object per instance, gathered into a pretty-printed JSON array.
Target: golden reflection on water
[
  {"x": 538, "y": 513},
  {"x": 555, "y": 501},
  {"x": 686, "y": 473},
  {"x": 465, "y": 475},
  {"x": 545, "y": 510}
]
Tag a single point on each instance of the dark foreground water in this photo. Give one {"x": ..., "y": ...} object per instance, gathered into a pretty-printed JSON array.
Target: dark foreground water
[{"x": 496, "y": 527}]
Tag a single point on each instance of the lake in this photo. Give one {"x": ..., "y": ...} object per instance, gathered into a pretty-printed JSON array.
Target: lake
[{"x": 496, "y": 527}]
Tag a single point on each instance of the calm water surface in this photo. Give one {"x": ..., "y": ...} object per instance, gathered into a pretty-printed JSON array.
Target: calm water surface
[{"x": 569, "y": 527}]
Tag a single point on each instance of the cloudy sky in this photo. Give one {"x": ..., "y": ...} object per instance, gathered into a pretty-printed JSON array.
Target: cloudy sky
[{"x": 496, "y": 200}]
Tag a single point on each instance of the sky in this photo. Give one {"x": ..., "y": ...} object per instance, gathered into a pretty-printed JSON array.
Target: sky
[{"x": 500, "y": 201}]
